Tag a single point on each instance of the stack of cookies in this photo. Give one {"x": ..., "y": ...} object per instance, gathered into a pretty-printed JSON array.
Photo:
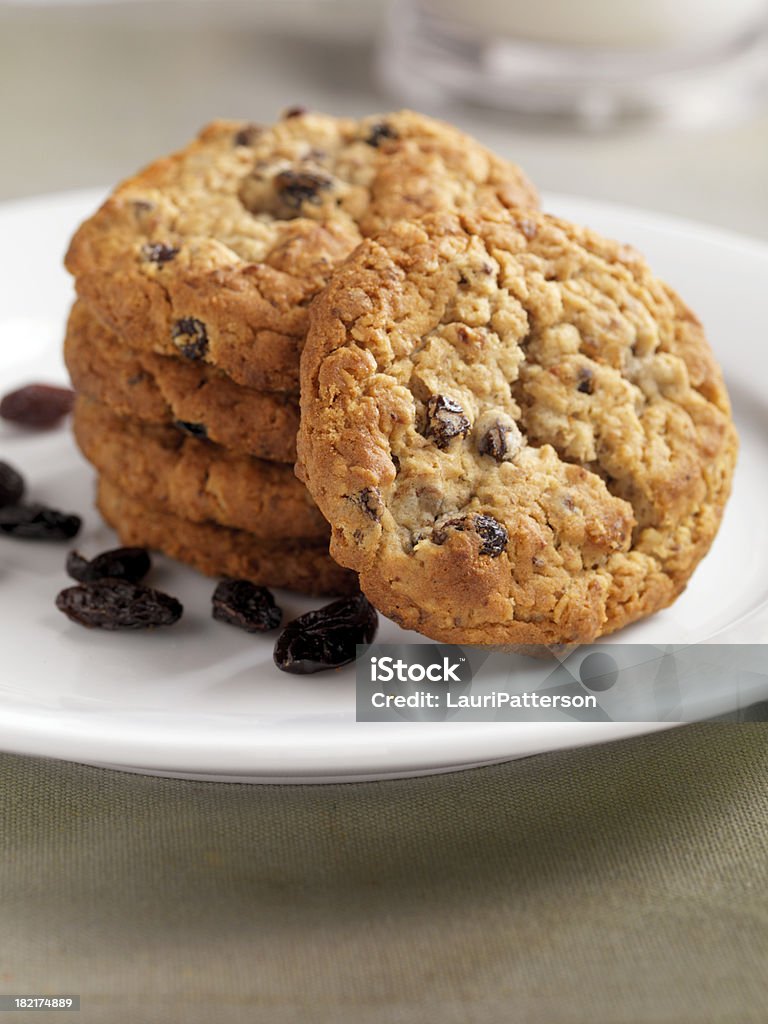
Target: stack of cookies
[
  {"x": 194, "y": 282},
  {"x": 509, "y": 430},
  {"x": 195, "y": 465}
]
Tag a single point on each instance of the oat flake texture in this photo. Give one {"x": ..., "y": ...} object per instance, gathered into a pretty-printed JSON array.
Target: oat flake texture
[
  {"x": 214, "y": 253},
  {"x": 517, "y": 432}
]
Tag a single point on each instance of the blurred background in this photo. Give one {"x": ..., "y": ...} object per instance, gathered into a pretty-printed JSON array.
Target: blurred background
[{"x": 91, "y": 91}]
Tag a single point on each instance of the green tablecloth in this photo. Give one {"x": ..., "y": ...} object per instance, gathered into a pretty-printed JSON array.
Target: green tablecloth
[{"x": 621, "y": 883}]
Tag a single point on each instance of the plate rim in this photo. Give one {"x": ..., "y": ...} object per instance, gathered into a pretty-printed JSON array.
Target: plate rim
[{"x": 33, "y": 733}]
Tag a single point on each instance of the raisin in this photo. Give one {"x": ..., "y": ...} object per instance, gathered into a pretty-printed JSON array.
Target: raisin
[
  {"x": 493, "y": 535},
  {"x": 37, "y": 522},
  {"x": 294, "y": 112},
  {"x": 193, "y": 429},
  {"x": 440, "y": 534},
  {"x": 586, "y": 381},
  {"x": 502, "y": 441},
  {"x": 326, "y": 638},
  {"x": 380, "y": 131},
  {"x": 130, "y": 564},
  {"x": 369, "y": 500},
  {"x": 299, "y": 187},
  {"x": 11, "y": 485},
  {"x": 243, "y": 604},
  {"x": 118, "y": 604},
  {"x": 158, "y": 252},
  {"x": 37, "y": 405},
  {"x": 494, "y": 443},
  {"x": 445, "y": 420},
  {"x": 248, "y": 134},
  {"x": 190, "y": 337}
]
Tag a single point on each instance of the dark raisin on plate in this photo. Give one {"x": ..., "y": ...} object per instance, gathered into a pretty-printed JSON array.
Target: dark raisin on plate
[
  {"x": 246, "y": 605},
  {"x": 37, "y": 405},
  {"x": 118, "y": 604},
  {"x": 326, "y": 638},
  {"x": 38, "y": 522},
  {"x": 130, "y": 564},
  {"x": 11, "y": 485}
]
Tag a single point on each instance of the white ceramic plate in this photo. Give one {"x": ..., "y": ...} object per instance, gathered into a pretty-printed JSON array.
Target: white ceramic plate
[{"x": 204, "y": 700}]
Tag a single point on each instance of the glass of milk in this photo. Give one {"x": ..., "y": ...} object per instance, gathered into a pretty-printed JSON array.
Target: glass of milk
[{"x": 596, "y": 62}]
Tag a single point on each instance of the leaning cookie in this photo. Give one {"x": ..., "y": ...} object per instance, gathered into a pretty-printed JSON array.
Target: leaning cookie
[
  {"x": 220, "y": 551},
  {"x": 517, "y": 433},
  {"x": 163, "y": 389},
  {"x": 214, "y": 253},
  {"x": 195, "y": 479}
]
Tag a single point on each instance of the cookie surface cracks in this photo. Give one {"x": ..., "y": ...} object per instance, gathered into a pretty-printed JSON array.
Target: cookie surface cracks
[
  {"x": 517, "y": 433},
  {"x": 214, "y": 253}
]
